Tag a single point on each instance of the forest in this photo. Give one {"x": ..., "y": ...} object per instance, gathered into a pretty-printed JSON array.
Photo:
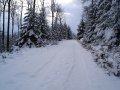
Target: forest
[
  {"x": 99, "y": 31},
  {"x": 41, "y": 49},
  {"x": 27, "y": 24}
]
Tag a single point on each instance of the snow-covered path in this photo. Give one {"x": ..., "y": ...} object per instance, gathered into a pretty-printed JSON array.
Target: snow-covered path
[{"x": 66, "y": 66}]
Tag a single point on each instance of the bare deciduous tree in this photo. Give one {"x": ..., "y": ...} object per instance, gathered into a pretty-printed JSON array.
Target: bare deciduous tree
[
  {"x": 13, "y": 11},
  {"x": 21, "y": 12},
  {"x": 53, "y": 11},
  {"x": 59, "y": 14},
  {"x": 29, "y": 3},
  {"x": 4, "y": 3}
]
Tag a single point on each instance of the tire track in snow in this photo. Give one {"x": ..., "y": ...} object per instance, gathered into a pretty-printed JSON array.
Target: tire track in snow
[
  {"x": 66, "y": 83},
  {"x": 46, "y": 64},
  {"x": 51, "y": 79},
  {"x": 85, "y": 64},
  {"x": 36, "y": 73}
]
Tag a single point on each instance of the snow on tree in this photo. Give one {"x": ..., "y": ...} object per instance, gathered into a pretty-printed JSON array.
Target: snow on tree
[
  {"x": 62, "y": 31},
  {"x": 81, "y": 29},
  {"x": 102, "y": 33},
  {"x": 29, "y": 33},
  {"x": 70, "y": 33},
  {"x": 43, "y": 25}
]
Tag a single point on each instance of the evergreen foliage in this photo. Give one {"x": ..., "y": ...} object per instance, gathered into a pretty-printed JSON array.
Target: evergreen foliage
[
  {"x": 29, "y": 30},
  {"x": 102, "y": 22},
  {"x": 62, "y": 31},
  {"x": 35, "y": 30},
  {"x": 81, "y": 29},
  {"x": 102, "y": 29}
]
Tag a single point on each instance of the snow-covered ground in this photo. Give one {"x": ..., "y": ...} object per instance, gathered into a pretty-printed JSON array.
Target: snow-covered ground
[{"x": 66, "y": 66}]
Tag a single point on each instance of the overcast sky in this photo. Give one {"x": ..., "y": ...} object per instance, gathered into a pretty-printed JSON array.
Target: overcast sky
[{"x": 73, "y": 10}]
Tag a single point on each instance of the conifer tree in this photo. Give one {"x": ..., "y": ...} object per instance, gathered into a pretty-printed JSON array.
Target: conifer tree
[
  {"x": 81, "y": 29},
  {"x": 102, "y": 28},
  {"x": 29, "y": 33}
]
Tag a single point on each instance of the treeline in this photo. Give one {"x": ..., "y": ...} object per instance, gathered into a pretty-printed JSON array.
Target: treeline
[
  {"x": 99, "y": 31},
  {"x": 10, "y": 7},
  {"x": 34, "y": 29}
]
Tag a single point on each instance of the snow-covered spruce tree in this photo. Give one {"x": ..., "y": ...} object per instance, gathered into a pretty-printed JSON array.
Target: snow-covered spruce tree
[
  {"x": 70, "y": 33},
  {"x": 44, "y": 29},
  {"x": 43, "y": 25},
  {"x": 102, "y": 22},
  {"x": 90, "y": 22},
  {"x": 102, "y": 28},
  {"x": 100, "y": 17},
  {"x": 29, "y": 31},
  {"x": 109, "y": 21},
  {"x": 66, "y": 32},
  {"x": 62, "y": 31},
  {"x": 109, "y": 29},
  {"x": 81, "y": 29},
  {"x": 56, "y": 32},
  {"x": 57, "y": 23}
]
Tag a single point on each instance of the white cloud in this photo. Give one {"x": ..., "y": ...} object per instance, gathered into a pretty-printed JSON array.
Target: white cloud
[
  {"x": 67, "y": 14},
  {"x": 64, "y": 1}
]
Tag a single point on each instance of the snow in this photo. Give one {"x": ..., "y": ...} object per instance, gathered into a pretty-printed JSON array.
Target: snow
[
  {"x": 66, "y": 66},
  {"x": 108, "y": 34},
  {"x": 31, "y": 33}
]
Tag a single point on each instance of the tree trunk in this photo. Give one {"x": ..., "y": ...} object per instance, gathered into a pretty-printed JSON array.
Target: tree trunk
[
  {"x": 52, "y": 9},
  {"x": 34, "y": 14},
  {"x": 8, "y": 28},
  {"x": 18, "y": 26},
  {"x": 12, "y": 26},
  {"x": 21, "y": 14},
  {"x": 3, "y": 34},
  {"x": 92, "y": 3}
]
